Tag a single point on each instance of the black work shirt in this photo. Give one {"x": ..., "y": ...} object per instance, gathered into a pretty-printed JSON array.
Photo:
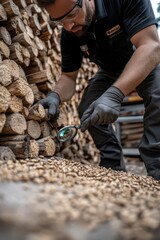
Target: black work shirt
[{"x": 107, "y": 41}]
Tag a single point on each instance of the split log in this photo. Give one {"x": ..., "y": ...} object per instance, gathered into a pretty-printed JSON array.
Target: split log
[
  {"x": 23, "y": 39},
  {"x": 33, "y": 149},
  {"x": 21, "y": 3},
  {"x": 5, "y": 35},
  {"x": 46, "y": 86},
  {"x": 14, "y": 138},
  {"x": 45, "y": 129},
  {"x": 38, "y": 77},
  {"x": 35, "y": 25},
  {"x": 2, "y": 121},
  {"x": 47, "y": 146},
  {"x": 13, "y": 67},
  {"x": 3, "y": 15},
  {"x": 33, "y": 129},
  {"x": 37, "y": 112},
  {"x": 15, "y": 26},
  {"x": 10, "y": 7},
  {"x": 4, "y": 50},
  {"x": 19, "y": 148},
  {"x": 36, "y": 92},
  {"x": 15, "y": 124},
  {"x": 18, "y": 87},
  {"x": 28, "y": 99},
  {"x": 6, "y": 154},
  {"x": 16, "y": 53},
  {"x": 25, "y": 111},
  {"x": 15, "y": 105},
  {"x": 5, "y": 75},
  {"x": 5, "y": 98}
]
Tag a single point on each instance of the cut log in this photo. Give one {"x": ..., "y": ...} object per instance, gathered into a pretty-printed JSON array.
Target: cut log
[
  {"x": 18, "y": 87},
  {"x": 6, "y": 154},
  {"x": 19, "y": 148},
  {"x": 25, "y": 111},
  {"x": 16, "y": 53},
  {"x": 5, "y": 98},
  {"x": 13, "y": 67},
  {"x": 38, "y": 77},
  {"x": 3, "y": 15},
  {"x": 20, "y": 3},
  {"x": 37, "y": 112},
  {"x": 15, "y": 26},
  {"x": 15, "y": 124},
  {"x": 5, "y": 35},
  {"x": 11, "y": 8},
  {"x": 33, "y": 149},
  {"x": 28, "y": 99},
  {"x": 2, "y": 121},
  {"x": 4, "y": 50},
  {"x": 33, "y": 129},
  {"x": 15, "y": 105},
  {"x": 5, "y": 75},
  {"x": 45, "y": 129},
  {"x": 36, "y": 92},
  {"x": 23, "y": 39},
  {"x": 46, "y": 146}
]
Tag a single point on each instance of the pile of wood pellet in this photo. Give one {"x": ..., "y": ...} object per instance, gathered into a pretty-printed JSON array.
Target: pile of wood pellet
[{"x": 61, "y": 199}]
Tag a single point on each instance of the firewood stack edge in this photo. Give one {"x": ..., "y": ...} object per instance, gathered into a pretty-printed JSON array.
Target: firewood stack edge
[{"x": 29, "y": 68}]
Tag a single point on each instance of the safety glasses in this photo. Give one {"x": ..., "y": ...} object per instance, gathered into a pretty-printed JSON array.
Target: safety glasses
[{"x": 70, "y": 15}]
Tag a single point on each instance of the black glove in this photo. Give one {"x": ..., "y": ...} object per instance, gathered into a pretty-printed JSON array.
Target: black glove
[
  {"x": 104, "y": 110},
  {"x": 51, "y": 102}
]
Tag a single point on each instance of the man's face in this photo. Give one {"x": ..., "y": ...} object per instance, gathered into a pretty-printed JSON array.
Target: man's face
[{"x": 75, "y": 16}]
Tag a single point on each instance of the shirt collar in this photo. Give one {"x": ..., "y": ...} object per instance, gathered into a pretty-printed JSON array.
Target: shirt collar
[{"x": 100, "y": 8}]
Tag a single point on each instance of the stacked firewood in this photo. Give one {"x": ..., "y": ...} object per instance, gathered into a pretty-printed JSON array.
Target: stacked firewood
[{"x": 29, "y": 69}]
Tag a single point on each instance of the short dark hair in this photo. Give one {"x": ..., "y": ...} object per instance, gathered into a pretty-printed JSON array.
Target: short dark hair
[{"x": 44, "y": 3}]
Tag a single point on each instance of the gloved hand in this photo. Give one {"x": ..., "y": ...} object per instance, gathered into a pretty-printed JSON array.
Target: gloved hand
[
  {"x": 104, "y": 110},
  {"x": 51, "y": 102}
]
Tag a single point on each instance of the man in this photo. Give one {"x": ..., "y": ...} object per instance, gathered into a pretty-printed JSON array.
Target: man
[{"x": 122, "y": 39}]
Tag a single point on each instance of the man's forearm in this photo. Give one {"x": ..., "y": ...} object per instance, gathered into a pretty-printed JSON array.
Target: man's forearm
[
  {"x": 143, "y": 61},
  {"x": 65, "y": 87}
]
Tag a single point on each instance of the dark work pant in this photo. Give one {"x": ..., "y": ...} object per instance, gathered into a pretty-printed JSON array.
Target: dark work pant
[
  {"x": 103, "y": 136},
  {"x": 149, "y": 147}
]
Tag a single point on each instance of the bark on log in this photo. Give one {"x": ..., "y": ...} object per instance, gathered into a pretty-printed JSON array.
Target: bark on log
[
  {"x": 6, "y": 154},
  {"x": 2, "y": 121},
  {"x": 11, "y": 8},
  {"x": 19, "y": 148},
  {"x": 45, "y": 129}
]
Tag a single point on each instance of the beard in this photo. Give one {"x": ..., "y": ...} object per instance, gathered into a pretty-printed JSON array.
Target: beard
[{"x": 88, "y": 21}]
